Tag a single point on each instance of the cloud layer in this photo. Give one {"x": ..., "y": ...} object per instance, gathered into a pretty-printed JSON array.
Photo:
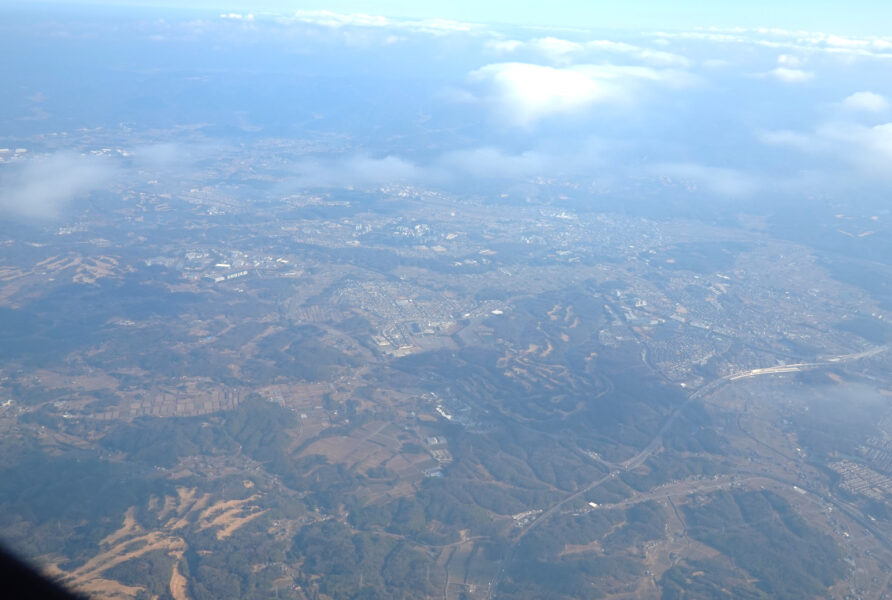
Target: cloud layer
[
  {"x": 327, "y": 18},
  {"x": 788, "y": 75},
  {"x": 42, "y": 187},
  {"x": 562, "y": 51},
  {"x": 867, "y": 102},
  {"x": 524, "y": 93},
  {"x": 733, "y": 112}
]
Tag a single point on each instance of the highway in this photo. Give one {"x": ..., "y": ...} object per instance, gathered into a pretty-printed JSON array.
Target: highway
[{"x": 657, "y": 441}]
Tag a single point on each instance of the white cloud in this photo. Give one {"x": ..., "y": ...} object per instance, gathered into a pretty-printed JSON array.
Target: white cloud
[
  {"x": 788, "y": 138},
  {"x": 159, "y": 155},
  {"x": 703, "y": 36},
  {"x": 869, "y": 148},
  {"x": 524, "y": 93},
  {"x": 839, "y": 41},
  {"x": 672, "y": 78},
  {"x": 555, "y": 49},
  {"x": 237, "y": 16},
  {"x": 493, "y": 163},
  {"x": 653, "y": 57},
  {"x": 327, "y": 18},
  {"x": 529, "y": 92},
  {"x": 456, "y": 166},
  {"x": 503, "y": 45},
  {"x": 41, "y": 187},
  {"x": 489, "y": 162},
  {"x": 715, "y": 180},
  {"x": 562, "y": 51},
  {"x": 788, "y": 75},
  {"x": 788, "y": 60},
  {"x": 866, "y": 101},
  {"x": 866, "y": 148},
  {"x": 359, "y": 171},
  {"x": 801, "y": 41},
  {"x": 440, "y": 26},
  {"x": 716, "y": 63}
]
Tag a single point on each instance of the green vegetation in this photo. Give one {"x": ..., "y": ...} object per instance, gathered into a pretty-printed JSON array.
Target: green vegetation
[
  {"x": 694, "y": 431},
  {"x": 546, "y": 397},
  {"x": 668, "y": 466},
  {"x": 583, "y": 576},
  {"x": 762, "y": 534},
  {"x": 707, "y": 580},
  {"x": 257, "y": 428},
  {"x": 540, "y": 569},
  {"x": 151, "y": 571},
  {"x": 833, "y": 427},
  {"x": 51, "y": 498},
  {"x": 643, "y": 522},
  {"x": 364, "y": 565}
]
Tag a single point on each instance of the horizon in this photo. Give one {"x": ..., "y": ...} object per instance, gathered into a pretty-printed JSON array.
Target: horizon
[{"x": 860, "y": 18}]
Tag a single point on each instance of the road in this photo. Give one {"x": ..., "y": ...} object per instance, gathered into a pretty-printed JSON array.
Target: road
[{"x": 657, "y": 440}]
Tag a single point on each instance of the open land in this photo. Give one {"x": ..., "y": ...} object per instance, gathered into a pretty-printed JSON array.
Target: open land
[{"x": 406, "y": 393}]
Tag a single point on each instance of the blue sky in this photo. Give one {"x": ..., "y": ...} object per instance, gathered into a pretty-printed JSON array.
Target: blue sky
[
  {"x": 863, "y": 17},
  {"x": 739, "y": 114},
  {"x": 816, "y": 14}
]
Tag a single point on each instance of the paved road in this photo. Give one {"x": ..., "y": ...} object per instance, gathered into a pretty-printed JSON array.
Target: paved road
[{"x": 657, "y": 441}]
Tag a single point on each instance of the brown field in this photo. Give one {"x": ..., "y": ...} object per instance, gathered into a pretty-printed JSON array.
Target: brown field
[
  {"x": 86, "y": 269},
  {"x": 132, "y": 541},
  {"x": 178, "y": 584}
]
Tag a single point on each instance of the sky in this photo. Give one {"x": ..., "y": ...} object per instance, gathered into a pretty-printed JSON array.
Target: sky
[
  {"x": 726, "y": 117},
  {"x": 862, "y": 17}
]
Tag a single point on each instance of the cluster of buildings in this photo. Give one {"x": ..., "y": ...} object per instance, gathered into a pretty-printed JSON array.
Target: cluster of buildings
[{"x": 860, "y": 479}]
